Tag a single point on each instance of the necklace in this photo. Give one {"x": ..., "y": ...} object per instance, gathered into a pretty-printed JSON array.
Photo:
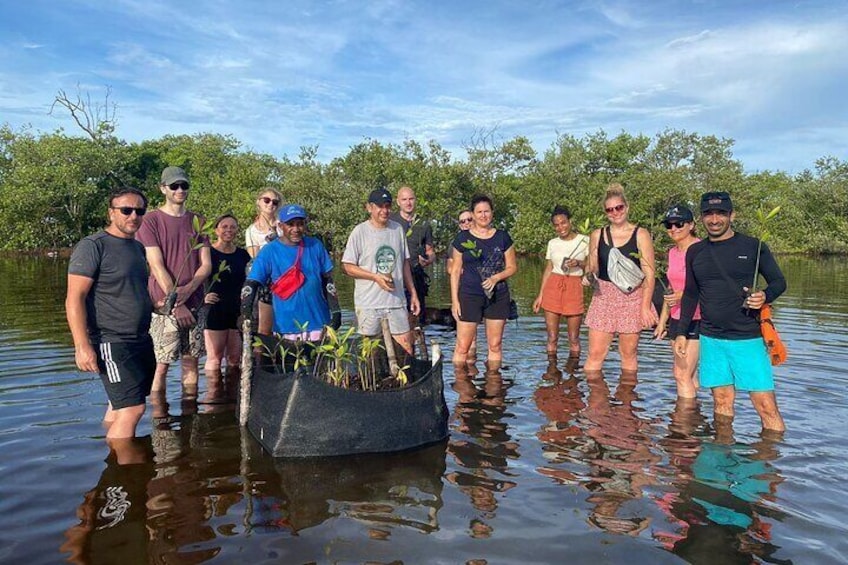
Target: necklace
[{"x": 269, "y": 225}]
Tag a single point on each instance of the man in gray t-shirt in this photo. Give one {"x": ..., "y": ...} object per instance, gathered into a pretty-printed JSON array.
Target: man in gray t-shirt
[
  {"x": 376, "y": 256},
  {"x": 108, "y": 310}
]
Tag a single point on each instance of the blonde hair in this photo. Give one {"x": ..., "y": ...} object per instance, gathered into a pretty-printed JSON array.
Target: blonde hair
[
  {"x": 266, "y": 190},
  {"x": 614, "y": 190}
]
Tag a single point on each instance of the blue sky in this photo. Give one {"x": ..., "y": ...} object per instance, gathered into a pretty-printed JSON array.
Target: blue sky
[{"x": 772, "y": 75}]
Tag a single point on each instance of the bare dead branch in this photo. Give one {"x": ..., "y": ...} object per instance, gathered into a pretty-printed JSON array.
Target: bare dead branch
[{"x": 96, "y": 120}]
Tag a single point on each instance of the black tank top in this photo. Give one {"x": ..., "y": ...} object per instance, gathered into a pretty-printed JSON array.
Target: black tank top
[{"x": 629, "y": 250}]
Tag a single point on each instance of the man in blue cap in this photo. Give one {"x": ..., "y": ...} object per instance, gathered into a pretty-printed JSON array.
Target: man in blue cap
[
  {"x": 719, "y": 272},
  {"x": 298, "y": 269}
]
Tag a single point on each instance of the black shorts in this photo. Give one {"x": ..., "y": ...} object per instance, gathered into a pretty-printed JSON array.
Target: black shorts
[
  {"x": 692, "y": 332},
  {"x": 223, "y": 317},
  {"x": 475, "y": 308},
  {"x": 126, "y": 370}
]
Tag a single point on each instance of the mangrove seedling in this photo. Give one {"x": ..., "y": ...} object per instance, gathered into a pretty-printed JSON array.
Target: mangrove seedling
[
  {"x": 365, "y": 362},
  {"x": 763, "y": 219},
  {"x": 203, "y": 311},
  {"x": 334, "y": 356},
  {"x": 202, "y": 232}
]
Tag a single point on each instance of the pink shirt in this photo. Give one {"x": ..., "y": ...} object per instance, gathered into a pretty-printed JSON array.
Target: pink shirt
[{"x": 677, "y": 278}]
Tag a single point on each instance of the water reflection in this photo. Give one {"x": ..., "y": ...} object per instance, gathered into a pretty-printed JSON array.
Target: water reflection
[
  {"x": 723, "y": 507},
  {"x": 113, "y": 515},
  {"x": 382, "y": 490},
  {"x": 561, "y": 401},
  {"x": 621, "y": 458},
  {"x": 480, "y": 442},
  {"x": 721, "y": 493},
  {"x": 198, "y": 480}
]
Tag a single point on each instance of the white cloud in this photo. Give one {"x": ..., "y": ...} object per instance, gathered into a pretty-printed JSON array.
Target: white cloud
[{"x": 281, "y": 75}]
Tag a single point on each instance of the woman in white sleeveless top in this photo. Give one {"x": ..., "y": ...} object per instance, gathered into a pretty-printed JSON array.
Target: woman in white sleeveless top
[{"x": 258, "y": 234}]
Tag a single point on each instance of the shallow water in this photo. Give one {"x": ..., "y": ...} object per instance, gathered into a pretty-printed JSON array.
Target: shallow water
[{"x": 541, "y": 466}]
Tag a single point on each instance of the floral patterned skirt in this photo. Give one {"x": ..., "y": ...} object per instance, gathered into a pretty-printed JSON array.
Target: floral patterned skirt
[{"x": 612, "y": 311}]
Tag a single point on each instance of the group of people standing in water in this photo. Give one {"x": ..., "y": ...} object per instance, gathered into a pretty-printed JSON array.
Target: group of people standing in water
[
  {"x": 710, "y": 302},
  {"x": 119, "y": 285}
]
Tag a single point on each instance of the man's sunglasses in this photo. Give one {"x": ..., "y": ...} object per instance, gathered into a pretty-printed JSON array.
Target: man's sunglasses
[
  {"x": 616, "y": 208},
  {"x": 267, "y": 200},
  {"x": 178, "y": 185},
  {"x": 678, "y": 225},
  {"x": 128, "y": 210}
]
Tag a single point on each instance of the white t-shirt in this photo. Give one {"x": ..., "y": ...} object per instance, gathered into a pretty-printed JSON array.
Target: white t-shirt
[
  {"x": 561, "y": 249},
  {"x": 254, "y": 237}
]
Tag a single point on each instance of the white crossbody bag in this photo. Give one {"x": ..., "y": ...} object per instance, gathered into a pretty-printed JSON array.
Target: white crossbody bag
[{"x": 623, "y": 272}]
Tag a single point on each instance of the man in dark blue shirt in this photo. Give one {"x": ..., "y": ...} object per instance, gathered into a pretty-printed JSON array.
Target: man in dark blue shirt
[
  {"x": 719, "y": 271},
  {"x": 419, "y": 240},
  {"x": 109, "y": 310}
]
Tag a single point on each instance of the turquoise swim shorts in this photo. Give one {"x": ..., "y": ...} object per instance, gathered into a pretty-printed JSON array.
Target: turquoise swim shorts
[{"x": 743, "y": 363}]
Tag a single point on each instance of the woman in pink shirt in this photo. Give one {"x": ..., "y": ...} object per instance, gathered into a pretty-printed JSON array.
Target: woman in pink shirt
[{"x": 680, "y": 224}]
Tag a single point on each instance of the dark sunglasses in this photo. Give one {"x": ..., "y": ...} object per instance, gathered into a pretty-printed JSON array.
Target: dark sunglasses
[
  {"x": 466, "y": 220},
  {"x": 267, "y": 200},
  {"x": 178, "y": 185},
  {"x": 128, "y": 210},
  {"x": 617, "y": 208},
  {"x": 678, "y": 225}
]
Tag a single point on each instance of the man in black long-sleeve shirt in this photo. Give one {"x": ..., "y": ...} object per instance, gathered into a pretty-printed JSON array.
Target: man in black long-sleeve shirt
[{"x": 719, "y": 272}]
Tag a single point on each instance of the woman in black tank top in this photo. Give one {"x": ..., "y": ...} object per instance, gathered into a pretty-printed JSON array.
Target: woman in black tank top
[
  {"x": 629, "y": 250},
  {"x": 613, "y": 311}
]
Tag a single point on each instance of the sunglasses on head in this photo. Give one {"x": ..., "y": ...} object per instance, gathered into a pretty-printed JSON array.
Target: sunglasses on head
[
  {"x": 616, "y": 208},
  {"x": 678, "y": 225},
  {"x": 178, "y": 185},
  {"x": 128, "y": 210},
  {"x": 267, "y": 200}
]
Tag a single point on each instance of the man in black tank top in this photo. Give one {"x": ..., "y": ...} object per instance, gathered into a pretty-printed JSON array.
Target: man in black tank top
[{"x": 719, "y": 272}]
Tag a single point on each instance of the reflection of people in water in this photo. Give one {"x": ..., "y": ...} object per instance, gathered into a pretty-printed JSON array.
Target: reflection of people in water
[
  {"x": 113, "y": 515},
  {"x": 481, "y": 443},
  {"x": 387, "y": 491},
  {"x": 717, "y": 510},
  {"x": 190, "y": 488},
  {"x": 560, "y": 401},
  {"x": 624, "y": 461}
]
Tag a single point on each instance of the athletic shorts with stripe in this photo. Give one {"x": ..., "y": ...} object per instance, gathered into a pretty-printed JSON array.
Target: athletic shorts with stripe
[{"x": 126, "y": 370}]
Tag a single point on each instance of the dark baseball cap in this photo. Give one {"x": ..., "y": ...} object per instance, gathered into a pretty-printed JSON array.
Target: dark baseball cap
[
  {"x": 716, "y": 201},
  {"x": 174, "y": 174},
  {"x": 679, "y": 213},
  {"x": 380, "y": 196}
]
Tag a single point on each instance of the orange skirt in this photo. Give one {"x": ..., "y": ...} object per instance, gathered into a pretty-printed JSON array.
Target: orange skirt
[{"x": 563, "y": 295}]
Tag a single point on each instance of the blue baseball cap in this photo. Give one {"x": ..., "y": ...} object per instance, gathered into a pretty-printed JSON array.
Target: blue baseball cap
[{"x": 292, "y": 212}]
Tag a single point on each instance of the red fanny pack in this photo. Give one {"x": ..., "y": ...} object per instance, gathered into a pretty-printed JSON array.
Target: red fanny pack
[{"x": 289, "y": 282}]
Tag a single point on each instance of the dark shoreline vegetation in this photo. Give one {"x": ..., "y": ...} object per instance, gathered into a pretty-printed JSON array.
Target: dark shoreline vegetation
[{"x": 53, "y": 185}]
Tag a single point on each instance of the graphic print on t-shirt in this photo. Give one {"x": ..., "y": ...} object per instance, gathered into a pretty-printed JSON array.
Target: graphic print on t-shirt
[
  {"x": 385, "y": 259},
  {"x": 493, "y": 263}
]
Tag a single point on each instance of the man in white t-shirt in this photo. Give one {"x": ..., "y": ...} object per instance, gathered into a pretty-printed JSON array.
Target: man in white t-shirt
[{"x": 377, "y": 257}]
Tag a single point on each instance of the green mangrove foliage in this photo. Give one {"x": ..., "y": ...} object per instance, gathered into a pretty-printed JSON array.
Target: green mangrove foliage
[{"x": 53, "y": 185}]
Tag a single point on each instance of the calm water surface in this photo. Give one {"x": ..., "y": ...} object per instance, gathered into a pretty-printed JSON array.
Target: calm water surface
[{"x": 541, "y": 465}]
